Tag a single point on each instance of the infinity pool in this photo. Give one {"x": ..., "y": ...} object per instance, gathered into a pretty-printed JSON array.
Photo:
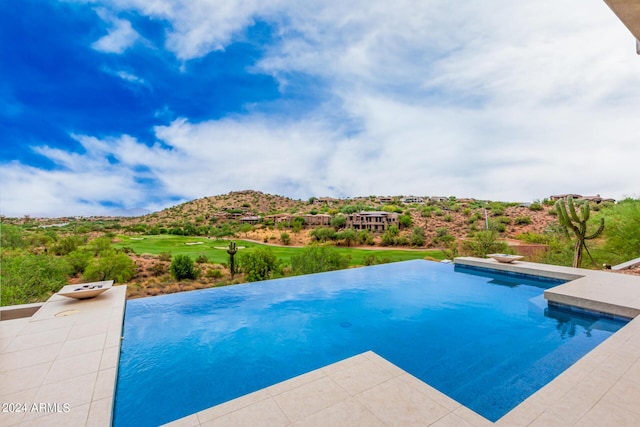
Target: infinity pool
[{"x": 485, "y": 339}]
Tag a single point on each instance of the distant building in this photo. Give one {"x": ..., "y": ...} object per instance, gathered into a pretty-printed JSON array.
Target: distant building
[
  {"x": 372, "y": 221},
  {"x": 325, "y": 201},
  {"x": 412, "y": 199},
  {"x": 280, "y": 218},
  {"x": 565, "y": 196},
  {"x": 385, "y": 199},
  {"x": 438, "y": 199},
  {"x": 317, "y": 220},
  {"x": 593, "y": 199},
  {"x": 250, "y": 219}
]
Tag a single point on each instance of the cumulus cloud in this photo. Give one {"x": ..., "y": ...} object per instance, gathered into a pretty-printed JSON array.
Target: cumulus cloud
[
  {"x": 494, "y": 99},
  {"x": 120, "y": 36}
]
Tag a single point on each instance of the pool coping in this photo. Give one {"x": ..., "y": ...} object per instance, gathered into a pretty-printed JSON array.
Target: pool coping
[{"x": 602, "y": 388}]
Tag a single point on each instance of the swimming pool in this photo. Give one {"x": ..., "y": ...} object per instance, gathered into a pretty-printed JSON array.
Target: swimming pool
[{"x": 485, "y": 339}]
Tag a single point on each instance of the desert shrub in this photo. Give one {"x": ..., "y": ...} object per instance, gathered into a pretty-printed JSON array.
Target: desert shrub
[
  {"x": 66, "y": 245},
  {"x": 552, "y": 212},
  {"x": 622, "y": 234},
  {"x": 389, "y": 236},
  {"x": 261, "y": 264},
  {"x": 338, "y": 221},
  {"x": 323, "y": 234},
  {"x": 164, "y": 256},
  {"x": 483, "y": 243},
  {"x": 78, "y": 260},
  {"x": 214, "y": 273},
  {"x": 375, "y": 260},
  {"x": 417, "y": 237},
  {"x": 182, "y": 268},
  {"x": 401, "y": 241},
  {"x": 497, "y": 211},
  {"x": 11, "y": 236},
  {"x": 443, "y": 237},
  {"x": 438, "y": 212},
  {"x": 297, "y": 224},
  {"x": 285, "y": 238},
  {"x": 110, "y": 265},
  {"x": 245, "y": 228},
  {"x": 503, "y": 220},
  {"x": 405, "y": 221},
  {"x": 534, "y": 238},
  {"x": 348, "y": 235},
  {"x": 31, "y": 278},
  {"x": 158, "y": 269},
  {"x": 473, "y": 218},
  {"x": 522, "y": 220},
  {"x": 448, "y": 218},
  {"x": 316, "y": 259},
  {"x": 99, "y": 245},
  {"x": 426, "y": 211},
  {"x": 536, "y": 206},
  {"x": 202, "y": 259},
  {"x": 364, "y": 237},
  {"x": 466, "y": 211}
]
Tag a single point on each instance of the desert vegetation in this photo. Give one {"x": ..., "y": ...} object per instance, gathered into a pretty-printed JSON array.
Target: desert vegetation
[{"x": 206, "y": 243}]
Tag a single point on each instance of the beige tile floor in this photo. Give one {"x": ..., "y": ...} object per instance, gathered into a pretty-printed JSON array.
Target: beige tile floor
[
  {"x": 61, "y": 370},
  {"x": 48, "y": 359}
]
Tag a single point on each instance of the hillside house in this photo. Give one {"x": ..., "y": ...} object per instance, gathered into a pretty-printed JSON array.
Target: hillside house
[
  {"x": 565, "y": 196},
  {"x": 317, "y": 220},
  {"x": 280, "y": 218},
  {"x": 412, "y": 199},
  {"x": 373, "y": 221},
  {"x": 385, "y": 200},
  {"x": 250, "y": 220}
]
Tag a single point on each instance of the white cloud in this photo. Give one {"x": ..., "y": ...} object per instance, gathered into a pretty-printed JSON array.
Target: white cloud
[
  {"x": 120, "y": 36},
  {"x": 496, "y": 99}
]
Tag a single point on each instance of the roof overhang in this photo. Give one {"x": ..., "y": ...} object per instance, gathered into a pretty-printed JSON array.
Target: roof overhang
[{"x": 629, "y": 13}]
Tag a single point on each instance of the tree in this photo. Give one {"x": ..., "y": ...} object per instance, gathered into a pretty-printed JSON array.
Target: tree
[
  {"x": 316, "y": 259},
  {"x": 110, "y": 265},
  {"x": 297, "y": 223},
  {"x": 323, "y": 234},
  {"x": 182, "y": 268},
  {"x": 483, "y": 243},
  {"x": 349, "y": 236},
  {"x": 405, "y": 221},
  {"x": 570, "y": 220},
  {"x": 78, "y": 260},
  {"x": 338, "y": 221},
  {"x": 261, "y": 264},
  {"x": 67, "y": 245},
  {"x": 99, "y": 245},
  {"x": 31, "y": 278}
]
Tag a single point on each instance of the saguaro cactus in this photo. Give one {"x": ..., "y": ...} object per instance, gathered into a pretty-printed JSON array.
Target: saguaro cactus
[
  {"x": 570, "y": 220},
  {"x": 232, "y": 253}
]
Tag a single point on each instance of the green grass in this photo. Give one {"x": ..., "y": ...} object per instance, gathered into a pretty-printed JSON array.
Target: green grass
[{"x": 177, "y": 245}]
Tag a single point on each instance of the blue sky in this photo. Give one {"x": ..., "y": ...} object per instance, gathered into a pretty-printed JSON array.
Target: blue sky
[{"x": 125, "y": 104}]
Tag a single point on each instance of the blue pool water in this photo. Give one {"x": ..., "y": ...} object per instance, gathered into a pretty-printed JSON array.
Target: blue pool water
[{"x": 485, "y": 339}]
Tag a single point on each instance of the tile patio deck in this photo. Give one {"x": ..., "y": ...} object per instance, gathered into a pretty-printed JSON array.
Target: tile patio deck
[
  {"x": 73, "y": 360},
  {"x": 61, "y": 370}
]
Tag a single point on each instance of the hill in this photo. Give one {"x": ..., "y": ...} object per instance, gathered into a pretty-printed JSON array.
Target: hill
[{"x": 437, "y": 216}]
